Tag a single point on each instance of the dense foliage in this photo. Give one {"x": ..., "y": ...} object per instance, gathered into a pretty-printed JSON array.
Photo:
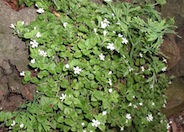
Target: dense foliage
[{"x": 98, "y": 68}]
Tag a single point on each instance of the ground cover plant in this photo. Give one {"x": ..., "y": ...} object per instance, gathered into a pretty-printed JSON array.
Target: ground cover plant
[{"x": 97, "y": 67}]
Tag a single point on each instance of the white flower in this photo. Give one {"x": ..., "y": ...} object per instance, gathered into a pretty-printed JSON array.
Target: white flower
[
  {"x": 114, "y": 32},
  {"x": 153, "y": 103},
  {"x": 82, "y": 124},
  {"x": 120, "y": 35},
  {"x": 140, "y": 54},
  {"x": 12, "y": 26},
  {"x": 83, "y": 130},
  {"x": 77, "y": 70},
  {"x": 104, "y": 32},
  {"x": 142, "y": 68},
  {"x": 110, "y": 72},
  {"x": 122, "y": 128},
  {"x": 21, "y": 125},
  {"x": 110, "y": 46},
  {"x": 40, "y": 10},
  {"x": 110, "y": 90},
  {"x": 32, "y": 61},
  {"x": 42, "y": 53},
  {"x": 22, "y": 73},
  {"x": 95, "y": 30},
  {"x": 65, "y": 24},
  {"x": 38, "y": 35},
  {"x": 110, "y": 82},
  {"x": 34, "y": 28},
  {"x": 168, "y": 126},
  {"x": 135, "y": 106},
  {"x": 140, "y": 103},
  {"x": 13, "y": 123},
  {"x": 164, "y": 69},
  {"x": 108, "y": 0},
  {"x": 105, "y": 23},
  {"x": 128, "y": 116},
  {"x": 112, "y": 14},
  {"x": 95, "y": 123},
  {"x": 149, "y": 117},
  {"x": 124, "y": 41},
  {"x": 22, "y": 22},
  {"x": 104, "y": 113},
  {"x": 102, "y": 57},
  {"x": 130, "y": 104},
  {"x": 34, "y": 44},
  {"x": 164, "y": 60},
  {"x": 67, "y": 66},
  {"x": 130, "y": 69},
  {"x": 62, "y": 97}
]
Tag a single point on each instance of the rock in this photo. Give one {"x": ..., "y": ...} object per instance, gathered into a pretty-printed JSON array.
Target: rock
[
  {"x": 175, "y": 95},
  {"x": 170, "y": 49},
  {"x": 174, "y": 8},
  {"x": 12, "y": 48},
  {"x": 178, "y": 69}
]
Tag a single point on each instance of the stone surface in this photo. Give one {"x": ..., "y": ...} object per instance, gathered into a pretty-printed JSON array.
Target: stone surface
[
  {"x": 13, "y": 59},
  {"x": 174, "y": 8},
  {"x": 171, "y": 51},
  {"x": 175, "y": 95}
]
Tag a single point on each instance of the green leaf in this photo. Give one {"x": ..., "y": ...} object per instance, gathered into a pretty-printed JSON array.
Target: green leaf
[
  {"x": 64, "y": 83},
  {"x": 99, "y": 95}
]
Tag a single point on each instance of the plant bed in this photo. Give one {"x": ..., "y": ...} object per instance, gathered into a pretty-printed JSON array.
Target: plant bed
[{"x": 98, "y": 68}]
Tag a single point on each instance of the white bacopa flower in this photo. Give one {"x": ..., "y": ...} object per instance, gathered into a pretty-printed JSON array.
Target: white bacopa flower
[
  {"x": 130, "y": 104},
  {"x": 82, "y": 124},
  {"x": 32, "y": 61},
  {"x": 102, "y": 57},
  {"x": 83, "y": 130},
  {"x": 105, "y": 23},
  {"x": 108, "y": 0},
  {"x": 120, "y": 35},
  {"x": 168, "y": 126},
  {"x": 67, "y": 66},
  {"x": 22, "y": 22},
  {"x": 22, "y": 73},
  {"x": 13, "y": 123},
  {"x": 164, "y": 69},
  {"x": 112, "y": 14},
  {"x": 104, "y": 113},
  {"x": 77, "y": 70},
  {"x": 95, "y": 30},
  {"x": 95, "y": 123},
  {"x": 42, "y": 53},
  {"x": 128, "y": 117},
  {"x": 124, "y": 41},
  {"x": 122, "y": 129},
  {"x": 114, "y": 32},
  {"x": 130, "y": 69},
  {"x": 65, "y": 24},
  {"x": 110, "y": 90},
  {"x": 21, "y": 125},
  {"x": 40, "y": 10},
  {"x": 34, "y": 28},
  {"x": 38, "y": 34},
  {"x": 104, "y": 32},
  {"x": 110, "y": 82},
  {"x": 110, "y": 72},
  {"x": 140, "y": 54},
  {"x": 153, "y": 104},
  {"x": 164, "y": 60},
  {"x": 135, "y": 106},
  {"x": 62, "y": 97},
  {"x": 142, "y": 68},
  {"x": 149, "y": 117},
  {"x": 12, "y": 26},
  {"x": 34, "y": 44},
  {"x": 141, "y": 104},
  {"x": 110, "y": 46}
]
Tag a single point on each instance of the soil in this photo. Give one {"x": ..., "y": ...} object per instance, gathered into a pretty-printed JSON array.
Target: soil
[{"x": 14, "y": 59}]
